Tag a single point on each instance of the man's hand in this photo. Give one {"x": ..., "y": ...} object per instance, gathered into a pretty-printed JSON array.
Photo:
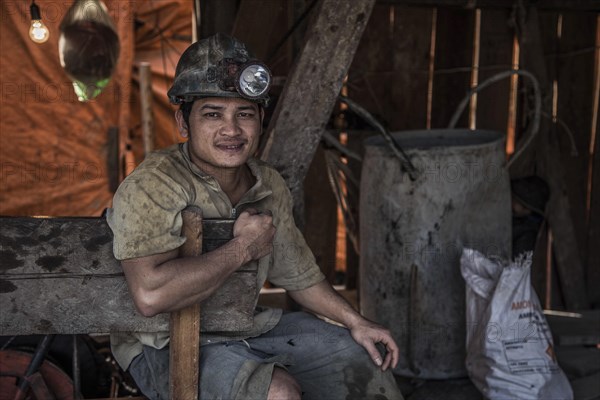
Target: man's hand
[
  {"x": 255, "y": 231},
  {"x": 323, "y": 300},
  {"x": 367, "y": 334}
]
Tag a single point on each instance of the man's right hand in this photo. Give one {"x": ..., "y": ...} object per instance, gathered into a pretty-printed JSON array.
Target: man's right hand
[{"x": 255, "y": 231}]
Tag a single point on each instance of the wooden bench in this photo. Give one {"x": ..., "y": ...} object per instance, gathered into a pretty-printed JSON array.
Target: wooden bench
[{"x": 59, "y": 276}]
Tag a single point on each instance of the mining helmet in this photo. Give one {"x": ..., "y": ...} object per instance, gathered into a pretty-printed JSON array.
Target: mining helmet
[{"x": 219, "y": 66}]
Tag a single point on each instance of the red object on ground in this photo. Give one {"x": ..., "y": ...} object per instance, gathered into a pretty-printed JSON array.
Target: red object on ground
[{"x": 49, "y": 379}]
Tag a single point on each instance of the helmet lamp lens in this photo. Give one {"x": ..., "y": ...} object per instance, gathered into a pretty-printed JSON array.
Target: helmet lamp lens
[{"x": 254, "y": 80}]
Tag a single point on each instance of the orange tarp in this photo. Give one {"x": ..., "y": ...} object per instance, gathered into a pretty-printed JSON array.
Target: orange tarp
[{"x": 54, "y": 150}]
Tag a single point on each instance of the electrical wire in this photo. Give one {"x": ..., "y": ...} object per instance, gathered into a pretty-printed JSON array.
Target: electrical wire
[
  {"x": 330, "y": 140},
  {"x": 405, "y": 162},
  {"x": 537, "y": 107},
  {"x": 339, "y": 175}
]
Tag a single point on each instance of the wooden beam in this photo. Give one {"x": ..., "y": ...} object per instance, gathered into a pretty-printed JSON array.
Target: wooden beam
[
  {"x": 575, "y": 329},
  {"x": 548, "y": 161},
  {"x": 593, "y": 272},
  {"x": 575, "y": 112},
  {"x": 311, "y": 90},
  {"x": 52, "y": 269},
  {"x": 184, "y": 344},
  {"x": 564, "y": 5},
  {"x": 145, "y": 76},
  {"x": 55, "y": 268},
  {"x": 112, "y": 158}
]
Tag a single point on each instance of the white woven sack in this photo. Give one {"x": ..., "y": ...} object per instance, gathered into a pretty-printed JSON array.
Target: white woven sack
[{"x": 509, "y": 344}]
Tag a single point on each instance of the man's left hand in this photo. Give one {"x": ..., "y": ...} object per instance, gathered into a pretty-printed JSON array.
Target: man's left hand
[{"x": 368, "y": 334}]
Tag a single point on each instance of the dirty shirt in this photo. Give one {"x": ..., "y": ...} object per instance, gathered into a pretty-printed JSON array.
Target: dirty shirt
[{"x": 146, "y": 220}]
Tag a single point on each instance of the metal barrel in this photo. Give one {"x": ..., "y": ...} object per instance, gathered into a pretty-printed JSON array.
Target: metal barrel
[{"x": 412, "y": 232}]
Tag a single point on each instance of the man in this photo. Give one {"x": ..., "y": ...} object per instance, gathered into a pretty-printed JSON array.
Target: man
[{"x": 284, "y": 355}]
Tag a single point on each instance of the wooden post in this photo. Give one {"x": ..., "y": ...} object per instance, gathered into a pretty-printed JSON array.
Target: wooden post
[
  {"x": 453, "y": 49},
  {"x": 184, "y": 356},
  {"x": 311, "y": 90},
  {"x": 568, "y": 258},
  {"x": 146, "y": 107}
]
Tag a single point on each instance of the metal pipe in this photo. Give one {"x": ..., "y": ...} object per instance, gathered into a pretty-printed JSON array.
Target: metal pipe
[
  {"x": 36, "y": 361},
  {"x": 76, "y": 371}
]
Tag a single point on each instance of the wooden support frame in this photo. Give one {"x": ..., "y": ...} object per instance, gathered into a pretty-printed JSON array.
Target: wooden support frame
[
  {"x": 148, "y": 134},
  {"x": 58, "y": 276},
  {"x": 311, "y": 91}
]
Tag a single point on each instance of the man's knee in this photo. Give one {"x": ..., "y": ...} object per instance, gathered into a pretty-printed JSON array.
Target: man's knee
[{"x": 283, "y": 386}]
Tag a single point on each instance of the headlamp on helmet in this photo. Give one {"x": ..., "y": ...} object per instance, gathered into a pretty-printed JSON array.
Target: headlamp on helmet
[
  {"x": 219, "y": 66},
  {"x": 254, "y": 80},
  {"x": 251, "y": 79}
]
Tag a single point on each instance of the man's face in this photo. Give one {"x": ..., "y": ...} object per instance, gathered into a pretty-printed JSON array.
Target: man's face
[{"x": 223, "y": 132}]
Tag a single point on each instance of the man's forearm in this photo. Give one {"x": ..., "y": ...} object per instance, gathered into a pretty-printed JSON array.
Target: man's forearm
[
  {"x": 324, "y": 300},
  {"x": 165, "y": 283}
]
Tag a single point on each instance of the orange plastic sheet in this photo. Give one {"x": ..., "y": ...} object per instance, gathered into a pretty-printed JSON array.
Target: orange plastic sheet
[
  {"x": 55, "y": 154},
  {"x": 164, "y": 31}
]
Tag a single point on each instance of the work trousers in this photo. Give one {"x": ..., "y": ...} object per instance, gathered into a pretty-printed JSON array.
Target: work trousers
[{"x": 324, "y": 359}]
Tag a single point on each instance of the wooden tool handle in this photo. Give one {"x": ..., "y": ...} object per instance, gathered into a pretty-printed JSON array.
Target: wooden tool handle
[{"x": 184, "y": 356}]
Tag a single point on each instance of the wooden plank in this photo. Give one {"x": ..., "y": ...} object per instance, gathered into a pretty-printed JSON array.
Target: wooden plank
[
  {"x": 453, "y": 60},
  {"x": 495, "y": 55},
  {"x": 575, "y": 73},
  {"x": 391, "y": 61},
  {"x": 355, "y": 144},
  {"x": 410, "y": 55},
  {"x": 226, "y": 310},
  {"x": 547, "y": 156},
  {"x": 184, "y": 344},
  {"x": 581, "y": 329},
  {"x": 579, "y": 5},
  {"x": 54, "y": 268},
  {"x": 148, "y": 134},
  {"x": 112, "y": 158},
  {"x": 371, "y": 75},
  {"x": 593, "y": 272},
  {"x": 311, "y": 90},
  {"x": 321, "y": 213}
]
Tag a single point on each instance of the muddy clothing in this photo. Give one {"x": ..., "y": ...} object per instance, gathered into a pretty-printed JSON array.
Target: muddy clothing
[
  {"x": 324, "y": 359},
  {"x": 146, "y": 220}
]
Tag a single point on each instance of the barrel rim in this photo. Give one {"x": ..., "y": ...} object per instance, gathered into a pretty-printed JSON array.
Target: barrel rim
[{"x": 461, "y": 138}]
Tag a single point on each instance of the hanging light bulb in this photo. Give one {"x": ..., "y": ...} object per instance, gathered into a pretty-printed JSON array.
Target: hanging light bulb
[{"x": 38, "y": 32}]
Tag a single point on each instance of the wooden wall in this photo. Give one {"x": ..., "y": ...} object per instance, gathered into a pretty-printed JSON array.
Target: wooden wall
[{"x": 415, "y": 64}]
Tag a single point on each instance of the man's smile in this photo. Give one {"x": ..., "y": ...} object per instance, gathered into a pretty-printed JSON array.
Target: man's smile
[{"x": 231, "y": 146}]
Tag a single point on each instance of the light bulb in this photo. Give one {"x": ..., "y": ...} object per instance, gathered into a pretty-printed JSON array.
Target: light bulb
[{"x": 38, "y": 32}]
